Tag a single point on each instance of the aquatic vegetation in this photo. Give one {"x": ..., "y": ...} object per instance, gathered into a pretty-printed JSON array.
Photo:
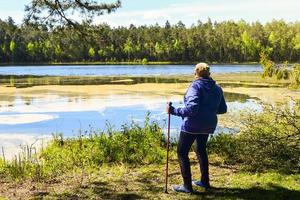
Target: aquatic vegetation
[
  {"x": 30, "y": 80},
  {"x": 11, "y": 81},
  {"x": 283, "y": 71},
  {"x": 296, "y": 75}
]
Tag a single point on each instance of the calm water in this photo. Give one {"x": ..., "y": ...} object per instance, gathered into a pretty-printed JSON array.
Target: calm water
[
  {"x": 26, "y": 120},
  {"x": 68, "y": 115},
  {"x": 27, "y": 117},
  {"x": 118, "y": 70}
]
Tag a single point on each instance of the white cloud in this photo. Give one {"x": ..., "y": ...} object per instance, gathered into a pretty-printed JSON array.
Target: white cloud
[
  {"x": 16, "y": 15},
  {"x": 24, "y": 118},
  {"x": 217, "y": 10},
  {"x": 34, "y": 112},
  {"x": 191, "y": 11}
]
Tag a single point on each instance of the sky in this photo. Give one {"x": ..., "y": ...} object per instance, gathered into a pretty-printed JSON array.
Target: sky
[{"x": 146, "y": 12}]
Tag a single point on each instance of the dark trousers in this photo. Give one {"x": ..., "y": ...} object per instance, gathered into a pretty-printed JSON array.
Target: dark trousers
[{"x": 184, "y": 145}]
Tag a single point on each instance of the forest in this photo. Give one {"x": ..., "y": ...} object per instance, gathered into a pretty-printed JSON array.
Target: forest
[{"x": 220, "y": 42}]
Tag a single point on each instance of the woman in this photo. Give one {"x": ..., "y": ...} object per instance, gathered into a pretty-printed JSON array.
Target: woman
[{"x": 203, "y": 100}]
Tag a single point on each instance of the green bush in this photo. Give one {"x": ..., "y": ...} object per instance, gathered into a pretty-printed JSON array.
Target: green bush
[
  {"x": 267, "y": 140},
  {"x": 225, "y": 146},
  {"x": 270, "y": 69},
  {"x": 145, "y": 61}
]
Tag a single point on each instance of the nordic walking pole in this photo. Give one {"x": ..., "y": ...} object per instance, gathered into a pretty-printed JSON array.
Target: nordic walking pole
[{"x": 168, "y": 147}]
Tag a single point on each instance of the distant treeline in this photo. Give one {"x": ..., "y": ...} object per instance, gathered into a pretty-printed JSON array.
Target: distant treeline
[{"x": 226, "y": 41}]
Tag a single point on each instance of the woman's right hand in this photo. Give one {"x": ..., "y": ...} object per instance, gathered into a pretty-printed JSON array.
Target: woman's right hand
[{"x": 169, "y": 104}]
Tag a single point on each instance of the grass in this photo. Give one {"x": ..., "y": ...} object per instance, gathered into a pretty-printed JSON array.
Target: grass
[
  {"x": 129, "y": 164},
  {"x": 121, "y": 181}
]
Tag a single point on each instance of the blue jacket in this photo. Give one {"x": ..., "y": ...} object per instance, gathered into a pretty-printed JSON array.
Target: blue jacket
[{"x": 203, "y": 100}]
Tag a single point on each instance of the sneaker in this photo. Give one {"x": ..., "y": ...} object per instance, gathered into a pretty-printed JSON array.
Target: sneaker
[
  {"x": 181, "y": 188},
  {"x": 200, "y": 184}
]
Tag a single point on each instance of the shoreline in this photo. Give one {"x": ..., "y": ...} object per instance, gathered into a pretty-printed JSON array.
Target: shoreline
[
  {"x": 128, "y": 63},
  {"x": 234, "y": 79},
  {"x": 122, "y": 63}
]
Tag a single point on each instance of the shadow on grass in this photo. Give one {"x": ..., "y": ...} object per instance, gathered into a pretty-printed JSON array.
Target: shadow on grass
[
  {"x": 95, "y": 190},
  {"x": 150, "y": 181},
  {"x": 102, "y": 190},
  {"x": 154, "y": 189},
  {"x": 272, "y": 192}
]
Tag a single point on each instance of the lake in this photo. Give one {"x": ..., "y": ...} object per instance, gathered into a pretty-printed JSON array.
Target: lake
[
  {"x": 29, "y": 118},
  {"x": 69, "y": 115},
  {"x": 29, "y": 114},
  {"x": 120, "y": 70}
]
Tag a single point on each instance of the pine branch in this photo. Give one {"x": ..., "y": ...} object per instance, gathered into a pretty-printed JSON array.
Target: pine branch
[{"x": 61, "y": 12}]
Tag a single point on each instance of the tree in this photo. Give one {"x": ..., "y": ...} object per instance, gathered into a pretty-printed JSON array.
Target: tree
[
  {"x": 167, "y": 25},
  {"x": 128, "y": 48},
  {"x": 92, "y": 53},
  {"x": 226, "y": 41},
  {"x": 178, "y": 49},
  {"x": 58, "y": 52},
  {"x": 30, "y": 47},
  {"x": 296, "y": 41},
  {"x": 250, "y": 46},
  {"x": 60, "y": 12},
  {"x": 12, "y": 47},
  {"x": 159, "y": 50}
]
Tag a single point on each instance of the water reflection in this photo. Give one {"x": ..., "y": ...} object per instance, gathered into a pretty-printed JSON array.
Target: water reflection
[
  {"x": 28, "y": 117},
  {"x": 68, "y": 114},
  {"x": 232, "y": 97},
  {"x": 35, "y": 96}
]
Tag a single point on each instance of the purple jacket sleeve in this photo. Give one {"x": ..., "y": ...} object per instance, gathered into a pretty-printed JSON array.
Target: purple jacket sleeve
[
  {"x": 191, "y": 105},
  {"x": 222, "y": 107}
]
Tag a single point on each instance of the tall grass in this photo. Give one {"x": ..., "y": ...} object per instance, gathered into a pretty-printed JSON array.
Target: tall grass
[
  {"x": 23, "y": 165},
  {"x": 133, "y": 144}
]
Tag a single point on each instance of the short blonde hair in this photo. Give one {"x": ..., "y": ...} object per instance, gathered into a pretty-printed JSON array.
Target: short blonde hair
[{"x": 202, "y": 70}]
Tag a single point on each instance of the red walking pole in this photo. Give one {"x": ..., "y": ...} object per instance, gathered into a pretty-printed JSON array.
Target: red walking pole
[{"x": 168, "y": 147}]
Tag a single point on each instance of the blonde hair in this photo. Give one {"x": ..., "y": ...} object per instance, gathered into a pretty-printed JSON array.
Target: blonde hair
[{"x": 202, "y": 70}]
